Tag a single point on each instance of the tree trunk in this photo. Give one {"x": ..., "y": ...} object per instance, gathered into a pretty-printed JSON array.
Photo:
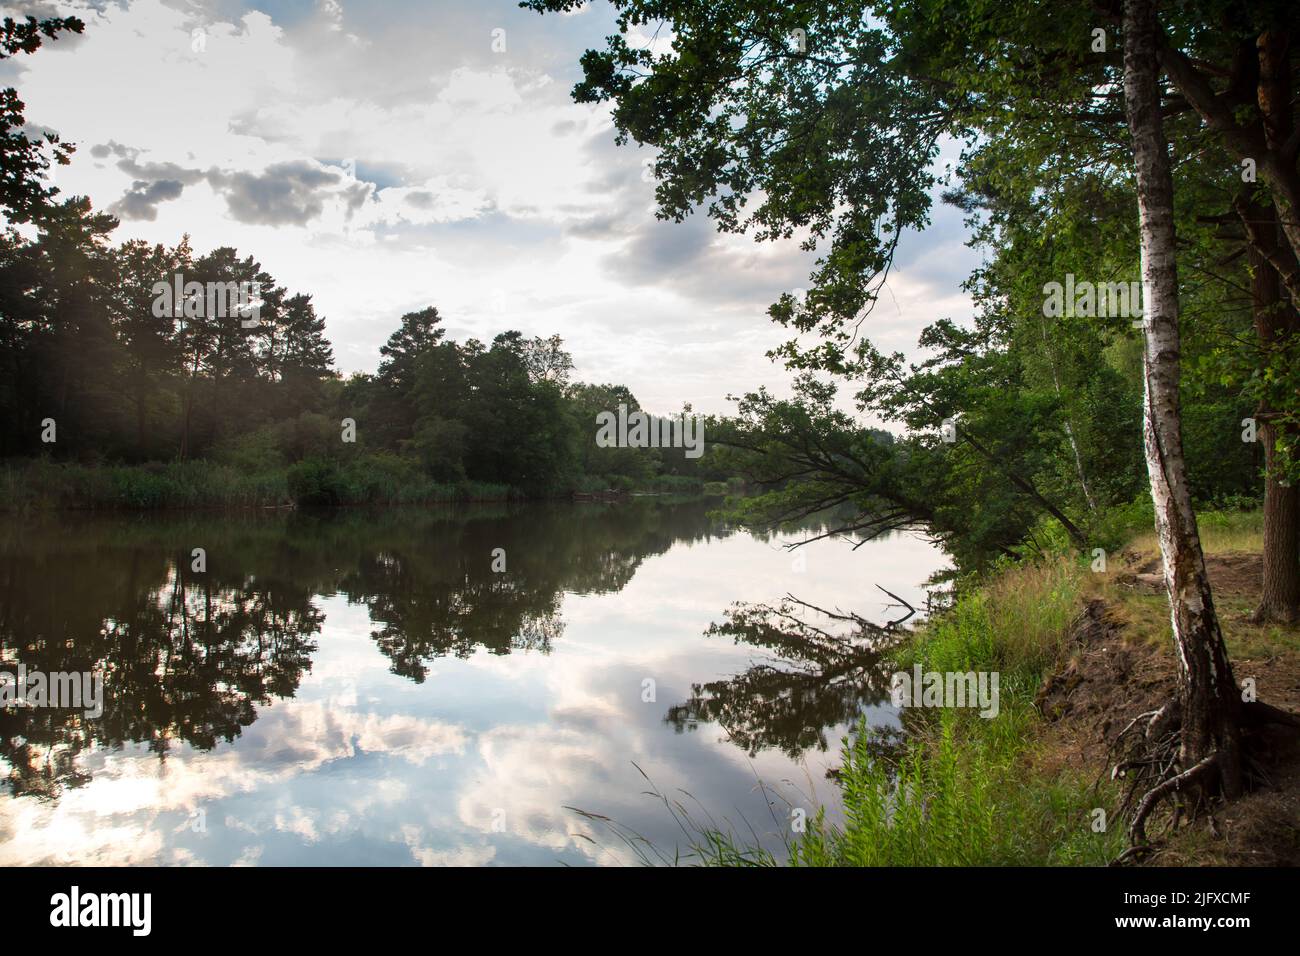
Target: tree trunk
[
  {"x": 1273, "y": 93},
  {"x": 1210, "y": 701},
  {"x": 1276, "y": 319},
  {"x": 185, "y": 423},
  {"x": 1065, "y": 419},
  {"x": 140, "y": 403},
  {"x": 1280, "y": 599}
]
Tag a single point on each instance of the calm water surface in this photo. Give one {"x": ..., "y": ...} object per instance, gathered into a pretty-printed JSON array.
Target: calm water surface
[{"x": 362, "y": 688}]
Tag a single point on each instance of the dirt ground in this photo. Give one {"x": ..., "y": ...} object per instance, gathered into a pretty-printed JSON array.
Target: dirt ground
[{"x": 1122, "y": 665}]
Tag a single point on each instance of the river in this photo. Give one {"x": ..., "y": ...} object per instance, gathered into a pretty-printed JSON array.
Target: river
[{"x": 417, "y": 686}]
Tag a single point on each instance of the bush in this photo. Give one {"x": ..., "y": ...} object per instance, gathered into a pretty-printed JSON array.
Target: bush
[
  {"x": 41, "y": 484},
  {"x": 139, "y": 488},
  {"x": 251, "y": 452},
  {"x": 316, "y": 482}
]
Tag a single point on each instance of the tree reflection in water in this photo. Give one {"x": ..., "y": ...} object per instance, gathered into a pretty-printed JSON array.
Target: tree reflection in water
[
  {"x": 189, "y": 657},
  {"x": 815, "y": 678}
]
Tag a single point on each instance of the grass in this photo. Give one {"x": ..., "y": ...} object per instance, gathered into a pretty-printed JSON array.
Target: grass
[
  {"x": 1015, "y": 622},
  {"x": 41, "y": 485},
  {"x": 959, "y": 794},
  {"x": 1221, "y": 531},
  {"x": 241, "y": 481}
]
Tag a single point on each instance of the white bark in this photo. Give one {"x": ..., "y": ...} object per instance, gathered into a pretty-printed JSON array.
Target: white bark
[{"x": 1206, "y": 686}]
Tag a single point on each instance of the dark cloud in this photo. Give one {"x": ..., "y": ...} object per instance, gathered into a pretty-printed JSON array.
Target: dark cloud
[
  {"x": 660, "y": 250},
  {"x": 290, "y": 193},
  {"x": 611, "y": 226},
  {"x": 689, "y": 258},
  {"x": 621, "y": 176},
  {"x": 621, "y": 169},
  {"x": 113, "y": 148},
  {"x": 154, "y": 172},
  {"x": 142, "y": 199},
  {"x": 154, "y": 183},
  {"x": 939, "y": 255},
  {"x": 285, "y": 194},
  {"x": 355, "y": 196},
  {"x": 38, "y": 131},
  {"x": 692, "y": 259},
  {"x": 43, "y": 10}
]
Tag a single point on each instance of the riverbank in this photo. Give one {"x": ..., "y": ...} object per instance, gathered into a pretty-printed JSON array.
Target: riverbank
[
  {"x": 43, "y": 485},
  {"x": 1079, "y": 653},
  {"x": 365, "y": 479}
]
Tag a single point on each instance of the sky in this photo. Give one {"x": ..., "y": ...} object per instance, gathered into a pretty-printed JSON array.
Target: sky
[{"x": 387, "y": 155}]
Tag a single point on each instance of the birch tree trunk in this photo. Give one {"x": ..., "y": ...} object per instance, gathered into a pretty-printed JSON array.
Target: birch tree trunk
[
  {"x": 1209, "y": 699},
  {"x": 1065, "y": 418}
]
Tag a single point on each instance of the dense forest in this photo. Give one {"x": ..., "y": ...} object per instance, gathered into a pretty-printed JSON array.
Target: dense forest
[{"x": 1023, "y": 429}]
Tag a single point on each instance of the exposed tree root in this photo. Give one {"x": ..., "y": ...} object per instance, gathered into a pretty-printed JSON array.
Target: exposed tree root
[
  {"x": 1268, "y": 614},
  {"x": 1256, "y": 713},
  {"x": 1146, "y": 754},
  {"x": 1184, "y": 780}
]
